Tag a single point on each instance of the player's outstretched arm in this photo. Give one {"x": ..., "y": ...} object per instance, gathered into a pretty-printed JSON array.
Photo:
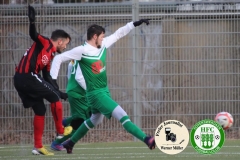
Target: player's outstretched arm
[
  {"x": 138, "y": 23},
  {"x": 32, "y": 29},
  {"x": 121, "y": 32},
  {"x": 73, "y": 54}
]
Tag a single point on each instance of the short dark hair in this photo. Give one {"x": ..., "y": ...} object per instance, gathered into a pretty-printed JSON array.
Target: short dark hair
[
  {"x": 60, "y": 34},
  {"x": 94, "y": 29}
]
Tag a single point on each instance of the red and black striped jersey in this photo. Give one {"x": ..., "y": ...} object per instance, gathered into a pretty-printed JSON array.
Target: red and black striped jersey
[{"x": 38, "y": 56}]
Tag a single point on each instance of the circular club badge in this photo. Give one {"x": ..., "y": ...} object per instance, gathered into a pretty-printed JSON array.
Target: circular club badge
[
  {"x": 171, "y": 137},
  {"x": 207, "y": 137}
]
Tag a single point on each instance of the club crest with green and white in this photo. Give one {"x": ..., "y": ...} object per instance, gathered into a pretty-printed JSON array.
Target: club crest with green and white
[{"x": 207, "y": 137}]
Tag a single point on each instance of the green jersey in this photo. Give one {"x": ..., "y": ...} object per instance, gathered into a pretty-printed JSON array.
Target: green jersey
[{"x": 94, "y": 69}]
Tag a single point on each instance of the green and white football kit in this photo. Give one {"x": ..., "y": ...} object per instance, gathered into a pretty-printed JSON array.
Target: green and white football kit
[{"x": 92, "y": 62}]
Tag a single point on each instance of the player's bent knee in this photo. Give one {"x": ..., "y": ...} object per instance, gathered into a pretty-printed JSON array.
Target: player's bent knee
[
  {"x": 119, "y": 113},
  {"x": 100, "y": 120},
  {"x": 97, "y": 122},
  {"x": 96, "y": 119}
]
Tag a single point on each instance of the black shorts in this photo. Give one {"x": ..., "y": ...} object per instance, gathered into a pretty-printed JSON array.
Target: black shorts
[{"x": 32, "y": 88}]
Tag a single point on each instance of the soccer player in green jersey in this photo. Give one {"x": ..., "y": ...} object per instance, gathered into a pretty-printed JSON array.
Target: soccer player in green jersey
[
  {"x": 92, "y": 59},
  {"x": 80, "y": 111}
]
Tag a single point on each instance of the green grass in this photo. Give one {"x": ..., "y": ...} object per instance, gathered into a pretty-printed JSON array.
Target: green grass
[{"x": 120, "y": 150}]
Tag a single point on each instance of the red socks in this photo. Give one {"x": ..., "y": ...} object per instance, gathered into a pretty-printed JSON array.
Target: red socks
[
  {"x": 57, "y": 113},
  {"x": 38, "y": 125}
]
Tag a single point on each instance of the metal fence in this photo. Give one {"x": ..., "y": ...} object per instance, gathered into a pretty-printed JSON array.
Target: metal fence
[{"x": 183, "y": 66}]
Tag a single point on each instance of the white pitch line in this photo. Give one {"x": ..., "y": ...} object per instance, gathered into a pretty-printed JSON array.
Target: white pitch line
[
  {"x": 20, "y": 148},
  {"x": 158, "y": 153}
]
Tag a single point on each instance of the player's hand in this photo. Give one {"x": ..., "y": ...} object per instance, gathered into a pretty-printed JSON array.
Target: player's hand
[
  {"x": 138, "y": 23},
  {"x": 63, "y": 95},
  {"x": 31, "y": 14}
]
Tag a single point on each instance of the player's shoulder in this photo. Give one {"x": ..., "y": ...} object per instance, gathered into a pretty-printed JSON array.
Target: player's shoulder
[{"x": 43, "y": 38}]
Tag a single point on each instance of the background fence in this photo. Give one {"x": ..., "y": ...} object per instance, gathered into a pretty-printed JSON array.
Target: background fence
[{"x": 183, "y": 66}]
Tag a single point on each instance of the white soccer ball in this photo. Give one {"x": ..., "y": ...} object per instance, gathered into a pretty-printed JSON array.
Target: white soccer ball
[{"x": 225, "y": 119}]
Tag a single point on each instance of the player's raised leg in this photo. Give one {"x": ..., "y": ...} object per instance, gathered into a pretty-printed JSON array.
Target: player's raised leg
[{"x": 129, "y": 126}]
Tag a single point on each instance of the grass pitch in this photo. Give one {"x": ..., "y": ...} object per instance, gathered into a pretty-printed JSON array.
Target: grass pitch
[{"x": 119, "y": 150}]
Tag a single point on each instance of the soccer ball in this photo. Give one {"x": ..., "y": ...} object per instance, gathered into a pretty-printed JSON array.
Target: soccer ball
[{"x": 225, "y": 119}]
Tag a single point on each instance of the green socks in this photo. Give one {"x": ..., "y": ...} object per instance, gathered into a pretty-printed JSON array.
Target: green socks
[
  {"x": 132, "y": 128},
  {"x": 82, "y": 130}
]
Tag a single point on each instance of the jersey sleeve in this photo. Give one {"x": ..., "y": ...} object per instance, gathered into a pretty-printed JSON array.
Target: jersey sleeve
[
  {"x": 79, "y": 77},
  {"x": 121, "y": 32},
  {"x": 36, "y": 37},
  {"x": 43, "y": 40},
  {"x": 33, "y": 32},
  {"x": 48, "y": 78},
  {"x": 73, "y": 54}
]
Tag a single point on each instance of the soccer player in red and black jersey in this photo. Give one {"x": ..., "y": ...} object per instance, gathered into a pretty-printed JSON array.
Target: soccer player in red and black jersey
[{"x": 34, "y": 88}]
